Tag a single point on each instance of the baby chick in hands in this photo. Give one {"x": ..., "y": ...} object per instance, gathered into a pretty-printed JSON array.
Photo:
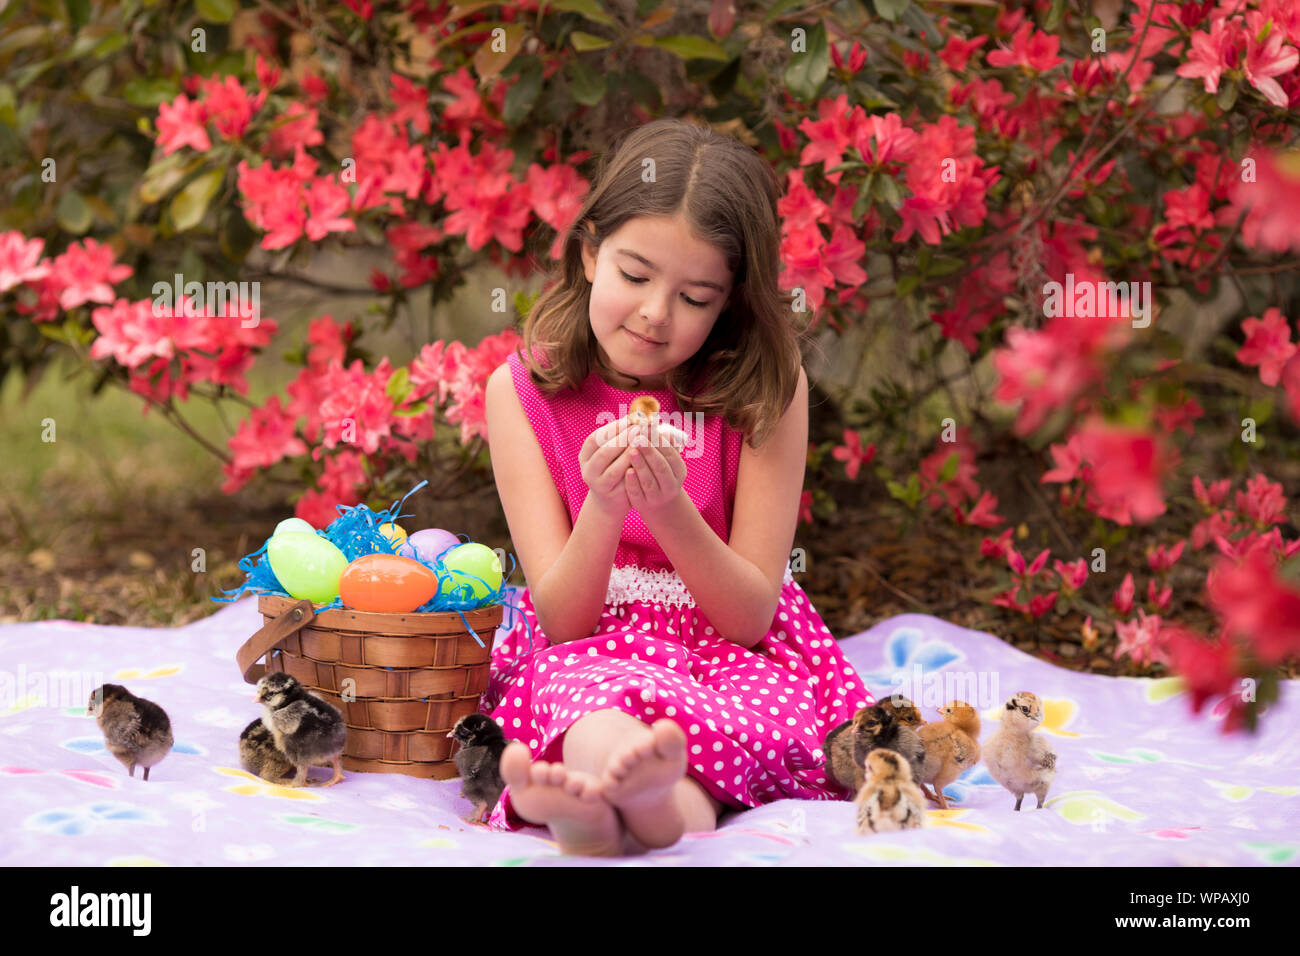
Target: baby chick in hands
[
  {"x": 306, "y": 729},
  {"x": 136, "y": 731},
  {"x": 478, "y": 760},
  {"x": 951, "y": 748},
  {"x": 889, "y": 800},
  {"x": 1019, "y": 759}
]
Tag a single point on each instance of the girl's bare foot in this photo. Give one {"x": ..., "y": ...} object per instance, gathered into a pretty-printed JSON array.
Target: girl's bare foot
[
  {"x": 570, "y": 802},
  {"x": 640, "y": 779}
]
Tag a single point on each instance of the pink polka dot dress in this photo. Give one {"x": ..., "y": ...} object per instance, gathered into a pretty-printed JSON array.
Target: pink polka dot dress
[{"x": 754, "y": 718}]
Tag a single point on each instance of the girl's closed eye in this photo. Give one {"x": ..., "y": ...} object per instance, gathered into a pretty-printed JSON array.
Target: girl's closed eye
[{"x": 639, "y": 279}]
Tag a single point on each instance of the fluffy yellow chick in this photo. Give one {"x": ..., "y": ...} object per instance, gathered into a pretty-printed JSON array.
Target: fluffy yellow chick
[
  {"x": 1019, "y": 759},
  {"x": 951, "y": 747},
  {"x": 889, "y": 800}
]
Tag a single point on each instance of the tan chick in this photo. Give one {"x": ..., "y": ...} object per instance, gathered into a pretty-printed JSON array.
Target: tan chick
[
  {"x": 951, "y": 748},
  {"x": 136, "y": 731},
  {"x": 889, "y": 800},
  {"x": 1019, "y": 759}
]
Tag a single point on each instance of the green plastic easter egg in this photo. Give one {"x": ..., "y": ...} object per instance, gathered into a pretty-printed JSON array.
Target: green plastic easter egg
[
  {"x": 308, "y": 565},
  {"x": 469, "y": 562},
  {"x": 293, "y": 524}
]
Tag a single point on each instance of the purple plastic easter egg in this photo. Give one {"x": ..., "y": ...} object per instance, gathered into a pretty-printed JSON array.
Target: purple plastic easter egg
[{"x": 430, "y": 542}]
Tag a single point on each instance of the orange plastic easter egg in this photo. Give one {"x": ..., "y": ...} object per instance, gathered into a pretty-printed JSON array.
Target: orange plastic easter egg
[{"x": 387, "y": 583}]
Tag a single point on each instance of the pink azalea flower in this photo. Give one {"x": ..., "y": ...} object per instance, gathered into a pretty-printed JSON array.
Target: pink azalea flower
[
  {"x": 297, "y": 126},
  {"x": 1263, "y": 501},
  {"x": 1162, "y": 560},
  {"x": 1268, "y": 59},
  {"x": 265, "y": 437},
  {"x": 20, "y": 260},
  {"x": 130, "y": 333},
  {"x": 1268, "y": 344},
  {"x": 1140, "y": 640},
  {"x": 1031, "y": 49},
  {"x": 982, "y": 514},
  {"x": 182, "y": 123},
  {"x": 1128, "y": 467},
  {"x": 85, "y": 273},
  {"x": 996, "y": 548},
  {"x": 229, "y": 106},
  {"x": 851, "y": 453},
  {"x": 1255, "y": 603},
  {"x": 1122, "y": 600},
  {"x": 1212, "y": 53},
  {"x": 1073, "y": 575},
  {"x": 326, "y": 202}
]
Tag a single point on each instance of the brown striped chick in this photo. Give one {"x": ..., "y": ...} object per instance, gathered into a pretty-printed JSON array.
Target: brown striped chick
[
  {"x": 305, "y": 728},
  {"x": 889, "y": 800},
  {"x": 259, "y": 755},
  {"x": 136, "y": 731},
  {"x": 1019, "y": 759},
  {"x": 951, "y": 748}
]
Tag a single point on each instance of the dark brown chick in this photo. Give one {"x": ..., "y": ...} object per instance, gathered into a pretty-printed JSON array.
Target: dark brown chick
[
  {"x": 136, "y": 731},
  {"x": 478, "y": 759},
  {"x": 876, "y": 728},
  {"x": 305, "y": 728},
  {"x": 903, "y": 709}
]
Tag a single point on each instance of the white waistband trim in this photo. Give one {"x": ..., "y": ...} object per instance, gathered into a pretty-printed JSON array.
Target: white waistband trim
[{"x": 630, "y": 584}]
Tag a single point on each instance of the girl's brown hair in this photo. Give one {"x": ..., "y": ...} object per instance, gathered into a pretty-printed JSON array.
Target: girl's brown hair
[{"x": 748, "y": 367}]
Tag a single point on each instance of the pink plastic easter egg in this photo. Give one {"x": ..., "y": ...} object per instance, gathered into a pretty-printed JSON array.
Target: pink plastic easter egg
[{"x": 387, "y": 583}]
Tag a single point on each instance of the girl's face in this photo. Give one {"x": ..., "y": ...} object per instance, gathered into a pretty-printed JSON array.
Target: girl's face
[{"x": 652, "y": 278}]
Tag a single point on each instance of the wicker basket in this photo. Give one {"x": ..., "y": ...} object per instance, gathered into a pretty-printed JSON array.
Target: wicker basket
[{"x": 414, "y": 676}]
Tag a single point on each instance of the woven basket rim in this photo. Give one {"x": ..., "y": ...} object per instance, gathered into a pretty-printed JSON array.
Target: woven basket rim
[
  {"x": 378, "y": 623},
  {"x": 380, "y": 667}
]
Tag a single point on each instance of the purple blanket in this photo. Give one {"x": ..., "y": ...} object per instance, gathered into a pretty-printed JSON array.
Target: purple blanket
[{"x": 1140, "y": 780}]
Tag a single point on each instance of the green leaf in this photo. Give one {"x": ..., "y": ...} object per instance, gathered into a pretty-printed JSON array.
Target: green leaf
[
  {"x": 590, "y": 9},
  {"x": 72, "y": 213},
  {"x": 585, "y": 84},
  {"x": 691, "y": 47},
  {"x": 907, "y": 284},
  {"x": 142, "y": 91},
  {"x": 189, "y": 205},
  {"x": 945, "y": 265},
  {"x": 891, "y": 10},
  {"x": 419, "y": 408},
  {"x": 1227, "y": 96},
  {"x": 217, "y": 11},
  {"x": 161, "y": 178},
  {"x": 1055, "y": 15},
  {"x": 237, "y": 237},
  {"x": 52, "y": 331},
  {"x": 889, "y": 192},
  {"x": 779, "y": 8},
  {"x": 807, "y": 70},
  {"x": 583, "y": 42},
  {"x": 950, "y": 464},
  {"x": 399, "y": 385},
  {"x": 522, "y": 95}
]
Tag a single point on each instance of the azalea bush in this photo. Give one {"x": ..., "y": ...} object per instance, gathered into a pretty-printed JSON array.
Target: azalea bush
[{"x": 978, "y": 176}]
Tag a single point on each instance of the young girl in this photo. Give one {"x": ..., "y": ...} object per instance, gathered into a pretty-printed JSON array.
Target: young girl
[{"x": 676, "y": 667}]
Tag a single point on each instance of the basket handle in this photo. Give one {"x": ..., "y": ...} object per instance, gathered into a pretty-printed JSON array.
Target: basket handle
[{"x": 272, "y": 633}]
